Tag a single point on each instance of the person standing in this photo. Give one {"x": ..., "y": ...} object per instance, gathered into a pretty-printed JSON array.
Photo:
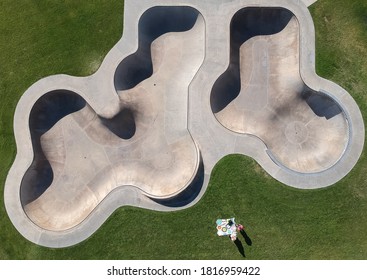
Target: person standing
[{"x": 240, "y": 227}]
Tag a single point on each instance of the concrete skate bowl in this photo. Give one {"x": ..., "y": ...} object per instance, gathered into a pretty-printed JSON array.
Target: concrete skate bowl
[
  {"x": 155, "y": 23},
  {"x": 171, "y": 50},
  {"x": 81, "y": 157},
  {"x": 262, "y": 93}
]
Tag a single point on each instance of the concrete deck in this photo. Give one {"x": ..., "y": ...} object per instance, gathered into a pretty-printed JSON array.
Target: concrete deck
[{"x": 177, "y": 93}]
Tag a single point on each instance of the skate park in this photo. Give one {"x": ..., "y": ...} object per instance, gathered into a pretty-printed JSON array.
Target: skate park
[{"x": 176, "y": 94}]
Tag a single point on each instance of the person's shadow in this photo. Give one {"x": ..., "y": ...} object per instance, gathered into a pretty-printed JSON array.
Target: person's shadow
[
  {"x": 246, "y": 237},
  {"x": 240, "y": 247}
]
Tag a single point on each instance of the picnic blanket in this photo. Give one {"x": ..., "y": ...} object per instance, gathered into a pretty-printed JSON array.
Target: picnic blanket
[{"x": 226, "y": 227}]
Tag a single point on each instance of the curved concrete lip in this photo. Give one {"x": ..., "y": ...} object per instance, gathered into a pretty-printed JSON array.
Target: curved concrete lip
[{"x": 177, "y": 93}]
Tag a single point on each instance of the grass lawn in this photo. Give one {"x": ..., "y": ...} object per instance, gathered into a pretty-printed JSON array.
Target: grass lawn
[{"x": 41, "y": 38}]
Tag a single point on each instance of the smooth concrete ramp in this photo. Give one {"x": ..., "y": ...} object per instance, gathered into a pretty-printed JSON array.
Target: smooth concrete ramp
[{"x": 177, "y": 93}]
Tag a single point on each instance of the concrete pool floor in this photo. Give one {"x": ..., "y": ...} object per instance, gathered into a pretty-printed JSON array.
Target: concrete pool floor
[{"x": 177, "y": 93}]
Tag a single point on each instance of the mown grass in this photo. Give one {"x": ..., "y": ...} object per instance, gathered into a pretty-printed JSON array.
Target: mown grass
[{"x": 40, "y": 39}]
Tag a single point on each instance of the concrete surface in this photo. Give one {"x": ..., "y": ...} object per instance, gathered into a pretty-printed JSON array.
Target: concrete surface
[
  {"x": 305, "y": 130},
  {"x": 177, "y": 93}
]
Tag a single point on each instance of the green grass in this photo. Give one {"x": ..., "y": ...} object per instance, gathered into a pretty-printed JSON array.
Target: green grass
[{"x": 40, "y": 38}]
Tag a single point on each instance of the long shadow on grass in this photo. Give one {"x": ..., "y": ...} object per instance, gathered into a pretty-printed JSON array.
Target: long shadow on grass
[
  {"x": 240, "y": 247},
  {"x": 246, "y": 237}
]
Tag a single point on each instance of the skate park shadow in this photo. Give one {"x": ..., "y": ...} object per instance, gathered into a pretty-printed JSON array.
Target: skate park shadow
[
  {"x": 246, "y": 237},
  {"x": 246, "y": 23},
  {"x": 240, "y": 247},
  {"x": 321, "y": 104},
  {"x": 122, "y": 125},
  {"x": 187, "y": 195}
]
